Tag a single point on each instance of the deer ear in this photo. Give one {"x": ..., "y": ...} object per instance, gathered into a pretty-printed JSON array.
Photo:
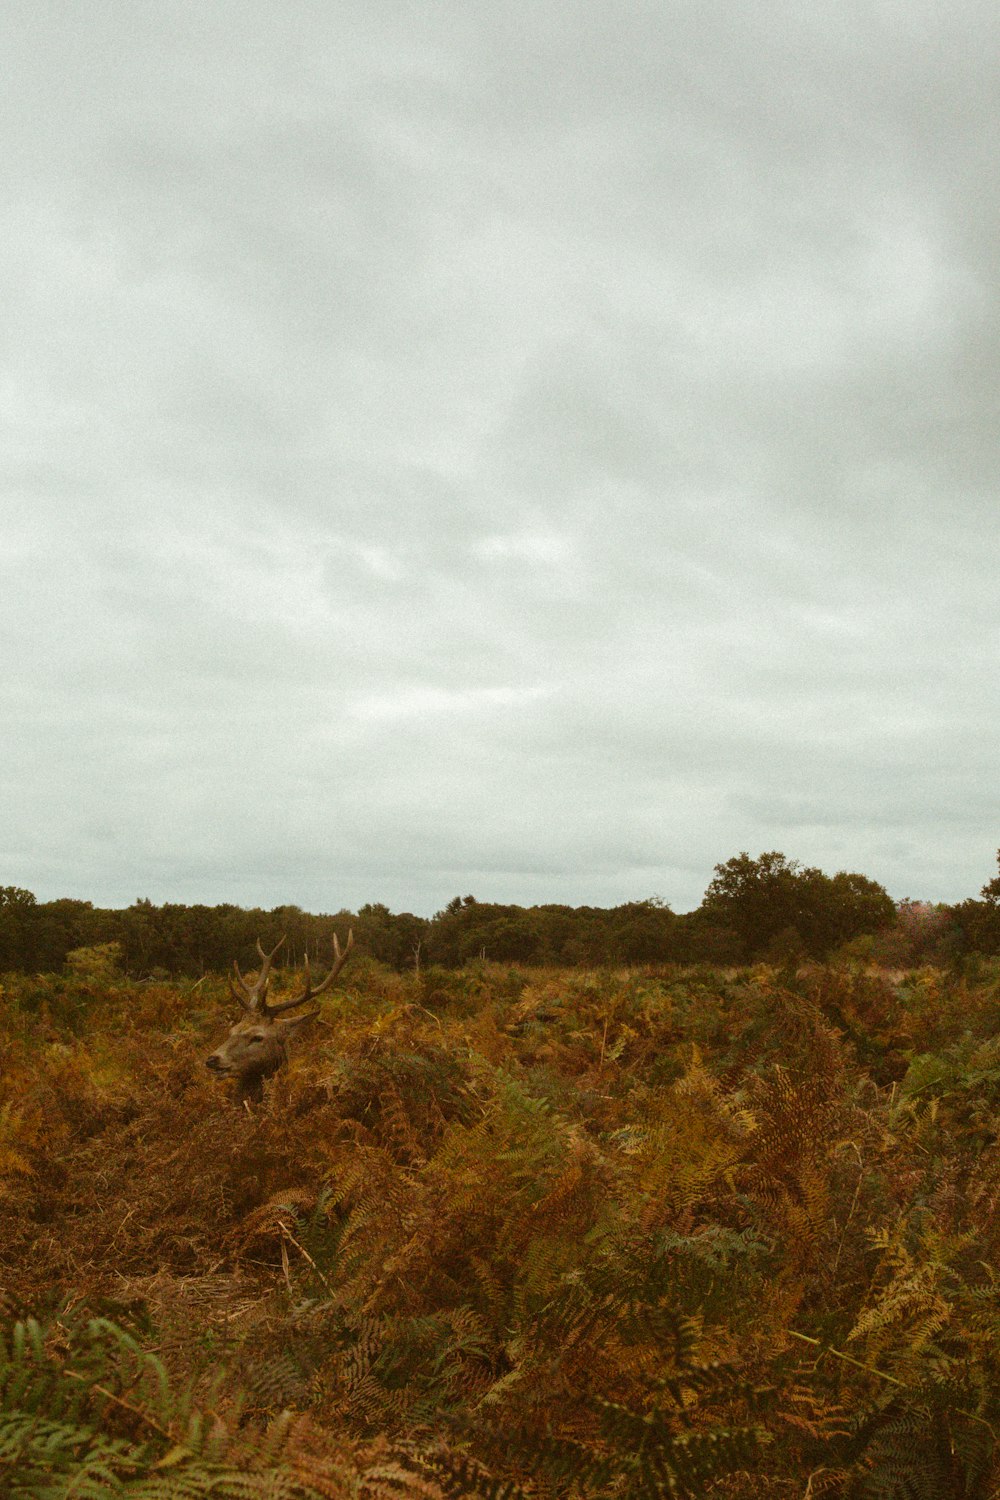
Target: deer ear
[{"x": 297, "y": 1023}]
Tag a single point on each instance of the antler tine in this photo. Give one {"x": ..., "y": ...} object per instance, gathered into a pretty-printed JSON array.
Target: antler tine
[
  {"x": 256, "y": 993},
  {"x": 243, "y": 982},
  {"x": 240, "y": 999},
  {"x": 269, "y": 957},
  {"x": 340, "y": 958}
]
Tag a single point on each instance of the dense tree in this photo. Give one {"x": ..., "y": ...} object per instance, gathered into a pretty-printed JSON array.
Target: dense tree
[
  {"x": 840, "y": 907},
  {"x": 774, "y": 903},
  {"x": 767, "y": 907},
  {"x": 968, "y": 927},
  {"x": 15, "y": 906},
  {"x": 57, "y": 927},
  {"x": 975, "y": 927},
  {"x": 756, "y": 898},
  {"x": 393, "y": 938},
  {"x": 991, "y": 890},
  {"x": 703, "y": 937},
  {"x": 643, "y": 931}
]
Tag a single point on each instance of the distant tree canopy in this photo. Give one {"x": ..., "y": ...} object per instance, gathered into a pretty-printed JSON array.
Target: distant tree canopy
[
  {"x": 764, "y": 907},
  {"x": 772, "y": 903},
  {"x": 638, "y": 932},
  {"x": 991, "y": 890},
  {"x": 976, "y": 924}
]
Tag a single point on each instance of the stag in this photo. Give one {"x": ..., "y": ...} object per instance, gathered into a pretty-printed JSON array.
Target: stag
[{"x": 257, "y": 1045}]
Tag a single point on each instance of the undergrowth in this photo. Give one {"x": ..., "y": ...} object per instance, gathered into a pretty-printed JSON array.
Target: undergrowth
[{"x": 537, "y": 1233}]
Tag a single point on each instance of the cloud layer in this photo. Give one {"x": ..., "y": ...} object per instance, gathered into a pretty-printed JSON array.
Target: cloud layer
[{"x": 534, "y": 451}]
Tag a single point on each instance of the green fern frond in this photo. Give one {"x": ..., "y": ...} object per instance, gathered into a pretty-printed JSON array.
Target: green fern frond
[{"x": 85, "y": 1411}]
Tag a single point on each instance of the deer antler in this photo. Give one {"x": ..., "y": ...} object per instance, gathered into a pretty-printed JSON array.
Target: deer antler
[
  {"x": 254, "y": 996},
  {"x": 340, "y": 958}
]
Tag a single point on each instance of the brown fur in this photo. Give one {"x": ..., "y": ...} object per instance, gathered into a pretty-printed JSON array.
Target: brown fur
[
  {"x": 255, "y": 1048},
  {"x": 257, "y": 1045}
]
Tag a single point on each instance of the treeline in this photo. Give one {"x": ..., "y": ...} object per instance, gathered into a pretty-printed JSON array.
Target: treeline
[{"x": 767, "y": 907}]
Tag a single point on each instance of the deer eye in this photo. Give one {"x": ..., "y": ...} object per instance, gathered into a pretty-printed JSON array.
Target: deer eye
[{"x": 258, "y": 1036}]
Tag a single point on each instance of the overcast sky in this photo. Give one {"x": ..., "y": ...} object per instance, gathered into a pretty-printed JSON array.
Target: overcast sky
[{"x": 534, "y": 450}]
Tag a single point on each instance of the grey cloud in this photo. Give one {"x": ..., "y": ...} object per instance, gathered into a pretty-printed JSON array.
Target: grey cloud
[{"x": 531, "y": 451}]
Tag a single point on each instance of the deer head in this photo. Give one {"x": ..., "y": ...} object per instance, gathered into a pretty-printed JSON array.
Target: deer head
[{"x": 257, "y": 1045}]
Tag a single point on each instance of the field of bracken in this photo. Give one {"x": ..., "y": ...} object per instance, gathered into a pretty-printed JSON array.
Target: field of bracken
[{"x": 501, "y": 1231}]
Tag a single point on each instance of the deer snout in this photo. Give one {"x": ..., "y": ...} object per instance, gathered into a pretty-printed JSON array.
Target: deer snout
[{"x": 214, "y": 1062}]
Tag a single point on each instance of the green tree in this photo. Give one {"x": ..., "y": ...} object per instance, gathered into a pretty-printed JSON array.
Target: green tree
[
  {"x": 59, "y": 926},
  {"x": 834, "y": 909},
  {"x": 991, "y": 890},
  {"x": 773, "y": 903},
  {"x": 393, "y": 938},
  {"x": 17, "y": 907},
  {"x": 643, "y": 932},
  {"x": 757, "y": 898}
]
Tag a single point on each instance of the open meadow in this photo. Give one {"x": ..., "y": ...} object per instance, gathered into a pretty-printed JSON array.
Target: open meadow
[{"x": 499, "y": 1231}]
